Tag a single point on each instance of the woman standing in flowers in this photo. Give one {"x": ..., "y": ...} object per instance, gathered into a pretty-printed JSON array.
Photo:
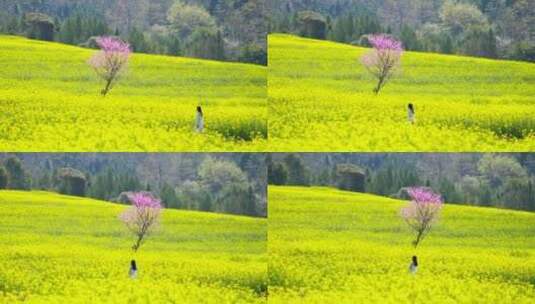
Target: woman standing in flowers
[
  {"x": 132, "y": 273},
  {"x": 199, "y": 120},
  {"x": 413, "y": 267},
  {"x": 411, "y": 115},
  {"x": 421, "y": 213}
]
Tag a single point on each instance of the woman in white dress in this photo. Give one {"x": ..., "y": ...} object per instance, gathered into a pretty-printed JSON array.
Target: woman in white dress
[
  {"x": 199, "y": 120},
  {"x": 411, "y": 115},
  {"x": 413, "y": 268},
  {"x": 132, "y": 273}
]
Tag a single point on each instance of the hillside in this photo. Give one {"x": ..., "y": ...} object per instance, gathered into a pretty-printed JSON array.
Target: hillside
[
  {"x": 237, "y": 26},
  {"x": 50, "y": 101},
  {"x": 55, "y": 248},
  {"x": 330, "y": 246},
  {"x": 320, "y": 98},
  {"x": 492, "y": 28}
]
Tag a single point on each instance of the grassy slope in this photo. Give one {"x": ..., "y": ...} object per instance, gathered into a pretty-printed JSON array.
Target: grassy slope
[
  {"x": 330, "y": 246},
  {"x": 320, "y": 98},
  {"x": 49, "y": 101},
  {"x": 60, "y": 248}
]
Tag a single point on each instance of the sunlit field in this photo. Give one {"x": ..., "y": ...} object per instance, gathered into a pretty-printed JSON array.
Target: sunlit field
[
  {"x": 61, "y": 249},
  {"x": 330, "y": 246},
  {"x": 50, "y": 101},
  {"x": 321, "y": 99}
]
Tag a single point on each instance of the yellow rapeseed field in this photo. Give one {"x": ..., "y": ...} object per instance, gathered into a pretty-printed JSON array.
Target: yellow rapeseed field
[
  {"x": 321, "y": 99},
  {"x": 61, "y": 249},
  {"x": 50, "y": 101},
  {"x": 330, "y": 246}
]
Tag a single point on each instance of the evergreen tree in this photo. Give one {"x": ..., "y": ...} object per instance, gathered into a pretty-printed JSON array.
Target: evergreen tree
[
  {"x": 18, "y": 178},
  {"x": 485, "y": 196},
  {"x": 446, "y": 45},
  {"x": 45, "y": 182},
  {"x": 338, "y": 31},
  {"x": 349, "y": 27},
  {"x": 205, "y": 43},
  {"x": 531, "y": 196},
  {"x": 3, "y": 178},
  {"x": 137, "y": 41},
  {"x": 409, "y": 39},
  {"x": 448, "y": 191},
  {"x": 250, "y": 208},
  {"x": 277, "y": 174},
  {"x": 490, "y": 45},
  {"x": 168, "y": 196},
  {"x": 297, "y": 173},
  {"x": 174, "y": 47}
]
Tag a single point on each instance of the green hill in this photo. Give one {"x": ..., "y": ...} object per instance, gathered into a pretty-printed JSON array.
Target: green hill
[
  {"x": 330, "y": 246},
  {"x": 321, "y": 99},
  {"x": 59, "y": 249},
  {"x": 50, "y": 101}
]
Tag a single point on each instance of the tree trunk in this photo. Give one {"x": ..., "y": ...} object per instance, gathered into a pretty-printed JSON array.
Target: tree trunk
[
  {"x": 138, "y": 243},
  {"x": 379, "y": 86},
  {"x": 418, "y": 239},
  {"x": 106, "y": 88}
]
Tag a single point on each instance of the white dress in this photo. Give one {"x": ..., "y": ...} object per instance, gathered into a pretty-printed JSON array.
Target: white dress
[
  {"x": 413, "y": 268},
  {"x": 132, "y": 273},
  {"x": 411, "y": 116},
  {"x": 199, "y": 122}
]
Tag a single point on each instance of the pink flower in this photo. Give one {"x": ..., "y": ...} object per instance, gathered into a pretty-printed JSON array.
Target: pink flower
[
  {"x": 111, "y": 44},
  {"x": 383, "y": 60},
  {"x": 142, "y": 217},
  {"x": 111, "y": 61},
  {"x": 144, "y": 200},
  {"x": 384, "y": 42},
  {"x": 422, "y": 211},
  {"x": 422, "y": 195}
]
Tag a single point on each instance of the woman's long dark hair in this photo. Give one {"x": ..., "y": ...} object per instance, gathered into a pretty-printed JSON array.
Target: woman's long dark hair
[
  {"x": 199, "y": 109},
  {"x": 415, "y": 260},
  {"x": 411, "y": 107},
  {"x": 133, "y": 265}
]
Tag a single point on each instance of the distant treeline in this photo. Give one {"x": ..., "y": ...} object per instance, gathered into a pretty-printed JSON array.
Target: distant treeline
[
  {"x": 485, "y": 28},
  {"x": 217, "y": 29},
  {"x": 498, "y": 180},
  {"x": 219, "y": 183}
]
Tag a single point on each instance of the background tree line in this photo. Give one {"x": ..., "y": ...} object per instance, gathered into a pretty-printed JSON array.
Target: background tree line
[
  {"x": 487, "y": 28},
  {"x": 233, "y": 30},
  {"x": 225, "y": 183},
  {"x": 498, "y": 180}
]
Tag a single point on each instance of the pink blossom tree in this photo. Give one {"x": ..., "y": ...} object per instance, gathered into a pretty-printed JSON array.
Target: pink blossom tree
[
  {"x": 142, "y": 217},
  {"x": 383, "y": 60},
  {"x": 111, "y": 61},
  {"x": 422, "y": 212}
]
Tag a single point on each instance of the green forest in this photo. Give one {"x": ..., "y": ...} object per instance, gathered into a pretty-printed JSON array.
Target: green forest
[
  {"x": 224, "y": 183},
  {"x": 503, "y": 180},
  {"x": 485, "y": 28}
]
